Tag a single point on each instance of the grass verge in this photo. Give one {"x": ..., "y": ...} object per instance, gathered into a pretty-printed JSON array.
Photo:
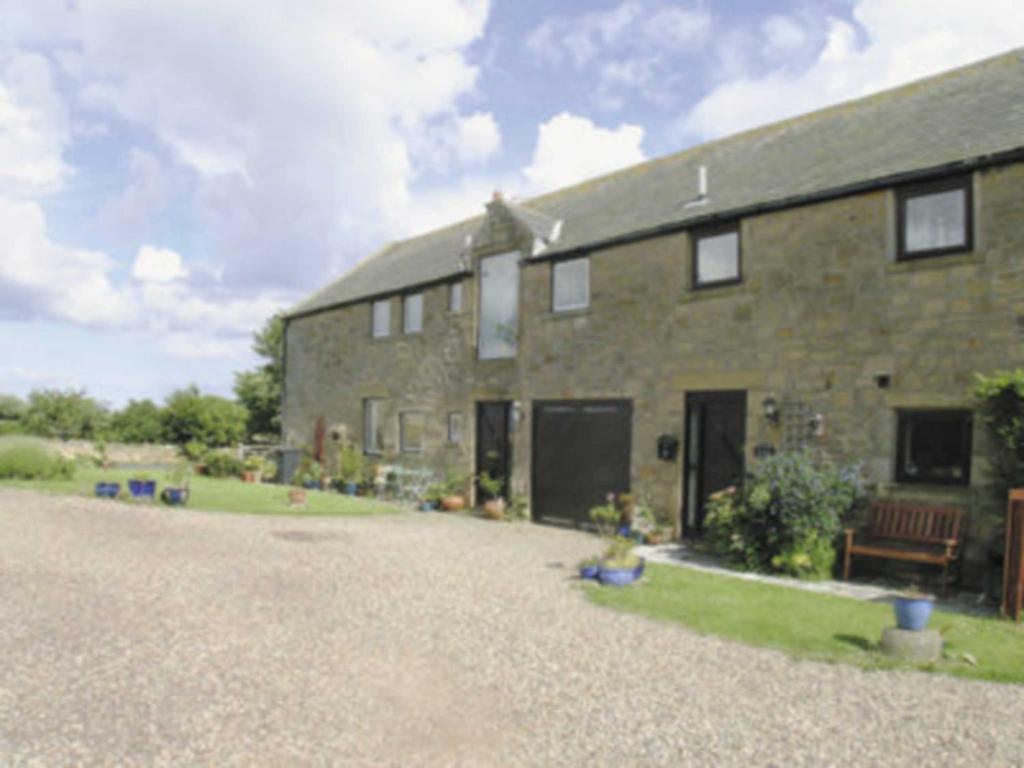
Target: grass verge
[
  {"x": 811, "y": 625},
  {"x": 216, "y": 494}
]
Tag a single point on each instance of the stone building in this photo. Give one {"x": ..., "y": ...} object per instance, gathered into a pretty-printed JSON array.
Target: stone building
[{"x": 833, "y": 280}]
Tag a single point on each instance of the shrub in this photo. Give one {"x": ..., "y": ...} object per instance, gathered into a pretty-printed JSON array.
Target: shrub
[
  {"x": 490, "y": 487},
  {"x": 1000, "y": 399},
  {"x": 67, "y": 415},
  {"x": 223, "y": 464},
  {"x": 350, "y": 464},
  {"x": 786, "y": 517},
  {"x": 26, "y": 459},
  {"x": 191, "y": 416},
  {"x": 141, "y": 421}
]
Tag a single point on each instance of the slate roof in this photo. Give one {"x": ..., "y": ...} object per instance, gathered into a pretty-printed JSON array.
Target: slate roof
[{"x": 959, "y": 116}]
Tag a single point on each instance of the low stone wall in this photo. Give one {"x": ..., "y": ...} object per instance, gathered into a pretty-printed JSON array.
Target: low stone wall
[{"x": 118, "y": 453}]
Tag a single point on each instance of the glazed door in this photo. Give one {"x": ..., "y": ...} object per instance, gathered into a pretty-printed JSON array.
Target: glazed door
[
  {"x": 715, "y": 437},
  {"x": 493, "y": 450}
]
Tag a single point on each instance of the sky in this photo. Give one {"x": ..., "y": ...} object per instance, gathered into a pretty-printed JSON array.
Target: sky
[{"x": 173, "y": 172}]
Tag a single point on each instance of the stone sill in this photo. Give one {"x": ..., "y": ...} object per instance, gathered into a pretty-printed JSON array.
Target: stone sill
[
  {"x": 934, "y": 262},
  {"x": 703, "y": 294}
]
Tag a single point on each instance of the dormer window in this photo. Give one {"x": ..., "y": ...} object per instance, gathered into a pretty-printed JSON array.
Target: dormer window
[{"x": 499, "y": 306}]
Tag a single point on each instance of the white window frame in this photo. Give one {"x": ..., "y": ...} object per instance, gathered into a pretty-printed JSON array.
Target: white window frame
[
  {"x": 513, "y": 332},
  {"x": 406, "y": 314},
  {"x": 561, "y": 266},
  {"x": 377, "y": 331}
]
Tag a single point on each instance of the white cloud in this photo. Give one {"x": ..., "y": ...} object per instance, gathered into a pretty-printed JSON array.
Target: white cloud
[
  {"x": 895, "y": 43},
  {"x": 158, "y": 265},
  {"x": 33, "y": 127},
  {"x": 782, "y": 34},
  {"x": 477, "y": 137},
  {"x": 571, "y": 148}
]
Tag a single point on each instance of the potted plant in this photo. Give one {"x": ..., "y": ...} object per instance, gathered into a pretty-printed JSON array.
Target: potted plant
[
  {"x": 253, "y": 472},
  {"x": 350, "y": 469},
  {"x": 269, "y": 471},
  {"x": 176, "y": 493},
  {"x": 913, "y": 608},
  {"x": 454, "y": 497},
  {"x": 297, "y": 491},
  {"x": 308, "y": 474},
  {"x": 590, "y": 567},
  {"x": 620, "y": 565},
  {"x": 142, "y": 486},
  {"x": 195, "y": 451},
  {"x": 491, "y": 488},
  {"x": 108, "y": 490},
  {"x": 518, "y": 507},
  {"x": 432, "y": 497}
]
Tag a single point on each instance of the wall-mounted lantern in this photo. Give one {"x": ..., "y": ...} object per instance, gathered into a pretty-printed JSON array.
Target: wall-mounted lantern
[
  {"x": 816, "y": 424},
  {"x": 668, "y": 447},
  {"x": 764, "y": 450},
  {"x": 771, "y": 410}
]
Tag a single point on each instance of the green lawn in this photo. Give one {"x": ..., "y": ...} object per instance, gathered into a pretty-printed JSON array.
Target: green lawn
[
  {"x": 810, "y": 625},
  {"x": 217, "y": 495}
]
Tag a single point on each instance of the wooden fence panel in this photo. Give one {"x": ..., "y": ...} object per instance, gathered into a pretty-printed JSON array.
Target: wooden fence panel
[{"x": 1013, "y": 561}]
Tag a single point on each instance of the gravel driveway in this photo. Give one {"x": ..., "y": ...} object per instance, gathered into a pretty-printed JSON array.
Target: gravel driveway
[{"x": 136, "y": 635}]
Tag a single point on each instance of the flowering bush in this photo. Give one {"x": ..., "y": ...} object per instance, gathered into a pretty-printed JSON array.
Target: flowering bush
[{"x": 786, "y": 517}]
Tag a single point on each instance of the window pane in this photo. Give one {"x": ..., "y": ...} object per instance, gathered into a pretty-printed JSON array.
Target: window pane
[
  {"x": 455, "y": 298},
  {"x": 373, "y": 438},
  {"x": 413, "y": 313},
  {"x": 499, "y": 305},
  {"x": 936, "y": 221},
  {"x": 381, "y": 318},
  {"x": 571, "y": 284},
  {"x": 935, "y": 447},
  {"x": 454, "y": 427},
  {"x": 412, "y": 432},
  {"x": 718, "y": 258}
]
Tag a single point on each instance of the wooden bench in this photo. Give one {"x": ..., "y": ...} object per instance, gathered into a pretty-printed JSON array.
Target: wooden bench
[{"x": 917, "y": 533}]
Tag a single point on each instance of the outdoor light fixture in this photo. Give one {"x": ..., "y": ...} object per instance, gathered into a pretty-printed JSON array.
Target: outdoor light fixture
[
  {"x": 817, "y": 425},
  {"x": 771, "y": 410}
]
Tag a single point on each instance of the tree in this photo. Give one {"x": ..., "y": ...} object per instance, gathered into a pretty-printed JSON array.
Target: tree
[
  {"x": 259, "y": 390},
  {"x": 12, "y": 408},
  {"x": 67, "y": 414},
  {"x": 141, "y": 421},
  {"x": 190, "y": 416}
]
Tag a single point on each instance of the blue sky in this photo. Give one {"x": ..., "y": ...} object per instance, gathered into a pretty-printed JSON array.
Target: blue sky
[{"x": 171, "y": 173}]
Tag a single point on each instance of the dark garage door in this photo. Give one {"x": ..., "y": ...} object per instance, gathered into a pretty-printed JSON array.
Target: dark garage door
[{"x": 581, "y": 452}]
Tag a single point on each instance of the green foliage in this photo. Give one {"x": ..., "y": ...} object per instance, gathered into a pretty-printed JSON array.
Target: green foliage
[
  {"x": 456, "y": 484},
  {"x": 65, "y": 414},
  {"x": 786, "y": 518},
  {"x": 26, "y": 459},
  {"x": 606, "y": 517},
  {"x": 491, "y": 487},
  {"x": 1000, "y": 399},
  {"x": 308, "y": 471},
  {"x": 193, "y": 450},
  {"x": 8, "y": 427},
  {"x": 260, "y": 389},
  {"x": 178, "y": 475},
  {"x": 518, "y": 507},
  {"x": 141, "y": 421},
  {"x": 620, "y": 554},
  {"x": 434, "y": 493},
  {"x": 12, "y": 408},
  {"x": 191, "y": 416},
  {"x": 222, "y": 464},
  {"x": 350, "y": 464}
]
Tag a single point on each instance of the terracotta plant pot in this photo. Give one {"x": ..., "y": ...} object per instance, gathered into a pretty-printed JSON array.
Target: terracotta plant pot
[
  {"x": 494, "y": 509},
  {"x": 248, "y": 476},
  {"x": 654, "y": 538},
  {"x": 453, "y": 503},
  {"x": 297, "y": 496}
]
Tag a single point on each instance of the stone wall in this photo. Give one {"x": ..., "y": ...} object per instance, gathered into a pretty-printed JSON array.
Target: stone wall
[
  {"x": 823, "y": 308},
  {"x": 118, "y": 453}
]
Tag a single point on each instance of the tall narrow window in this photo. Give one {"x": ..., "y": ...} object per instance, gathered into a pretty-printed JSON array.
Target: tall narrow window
[
  {"x": 411, "y": 426},
  {"x": 499, "y": 306},
  {"x": 373, "y": 436},
  {"x": 935, "y": 219},
  {"x": 716, "y": 257},
  {"x": 933, "y": 447},
  {"x": 570, "y": 285},
  {"x": 381, "y": 318},
  {"x": 412, "y": 313},
  {"x": 455, "y": 297},
  {"x": 454, "y": 427}
]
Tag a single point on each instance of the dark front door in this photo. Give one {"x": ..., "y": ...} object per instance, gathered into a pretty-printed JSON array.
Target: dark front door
[
  {"x": 581, "y": 452},
  {"x": 715, "y": 436},
  {"x": 493, "y": 451}
]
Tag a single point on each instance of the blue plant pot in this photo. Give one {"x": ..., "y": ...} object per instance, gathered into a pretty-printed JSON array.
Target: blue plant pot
[
  {"x": 311, "y": 485},
  {"x": 108, "y": 490},
  {"x": 913, "y": 613},
  {"x": 620, "y": 577},
  {"x": 589, "y": 571},
  {"x": 350, "y": 489},
  {"x": 624, "y": 531},
  {"x": 427, "y": 506},
  {"x": 142, "y": 488},
  {"x": 174, "y": 496}
]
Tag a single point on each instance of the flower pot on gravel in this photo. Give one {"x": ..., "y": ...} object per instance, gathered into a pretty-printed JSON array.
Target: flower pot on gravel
[
  {"x": 494, "y": 509},
  {"x": 912, "y": 613},
  {"x": 108, "y": 490},
  {"x": 453, "y": 503},
  {"x": 589, "y": 569},
  {"x": 142, "y": 489}
]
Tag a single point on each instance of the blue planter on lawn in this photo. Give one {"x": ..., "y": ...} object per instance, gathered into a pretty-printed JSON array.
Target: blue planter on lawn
[
  {"x": 142, "y": 488},
  {"x": 174, "y": 496},
  {"x": 620, "y": 577},
  {"x": 350, "y": 489},
  {"x": 589, "y": 571},
  {"x": 108, "y": 490},
  {"x": 311, "y": 484},
  {"x": 913, "y": 612}
]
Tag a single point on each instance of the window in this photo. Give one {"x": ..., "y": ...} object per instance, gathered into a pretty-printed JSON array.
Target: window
[
  {"x": 381, "y": 318},
  {"x": 570, "y": 285},
  {"x": 499, "y": 306},
  {"x": 455, "y": 297},
  {"x": 373, "y": 434},
  {"x": 412, "y": 313},
  {"x": 934, "y": 219},
  {"x": 933, "y": 447},
  {"x": 716, "y": 257},
  {"x": 454, "y": 427},
  {"x": 411, "y": 427}
]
